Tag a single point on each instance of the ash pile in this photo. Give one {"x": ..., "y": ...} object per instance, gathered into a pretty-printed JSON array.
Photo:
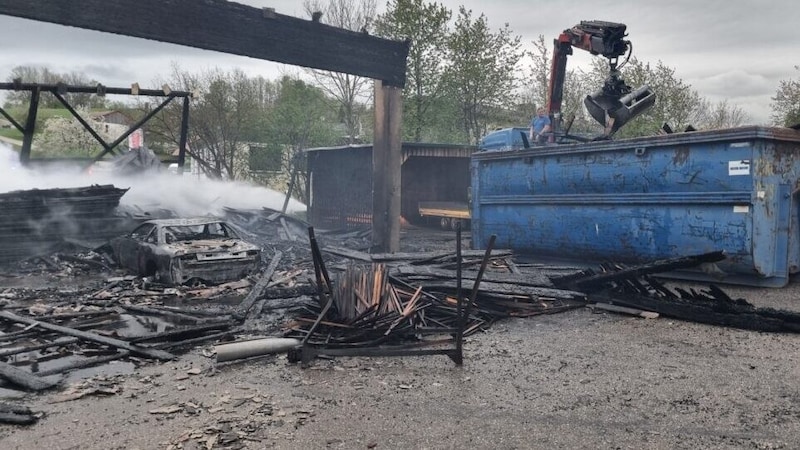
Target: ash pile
[{"x": 317, "y": 293}]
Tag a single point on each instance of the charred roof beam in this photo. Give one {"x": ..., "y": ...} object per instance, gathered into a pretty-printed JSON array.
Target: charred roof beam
[{"x": 230, "y": 28}]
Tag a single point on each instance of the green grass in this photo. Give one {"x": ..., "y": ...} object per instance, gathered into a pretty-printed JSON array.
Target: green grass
[
  {"x": 19, "y": 114},
  {"x": 11, "y": 133},
  {"x": 42, "y": 115}
]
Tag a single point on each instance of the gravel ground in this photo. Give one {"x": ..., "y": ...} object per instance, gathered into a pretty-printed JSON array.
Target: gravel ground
[{"x": 572, "y": 380}]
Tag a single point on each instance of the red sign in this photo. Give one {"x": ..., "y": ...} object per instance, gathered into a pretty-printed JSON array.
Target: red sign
[{"x": 136, "y": 139}]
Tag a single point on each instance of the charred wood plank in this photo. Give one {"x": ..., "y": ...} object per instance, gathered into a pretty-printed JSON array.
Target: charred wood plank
[
  {"x": 347, "y": 253},
  {"x": 624, "y": 310},
  {"x": 30, "y": 348},
  {"x": 506, "y": 289},
  {"x": 84, "y": 363},
  {"x": 197, "y": 340},
  {"x": 163, "y": 313},
  {"x": 729, "y": 315},
  {"x": 143, "y": 351},
  {"x": 16, "y": 414},
  {"x": 244, "y": 307},
  {"x": 595, "y": 282},
  {"x": 25, "y": 379},
  {"x": 182, "y": 333},
  {"x": 231, "y": 28},
  {"x": 528, "y": 279}
]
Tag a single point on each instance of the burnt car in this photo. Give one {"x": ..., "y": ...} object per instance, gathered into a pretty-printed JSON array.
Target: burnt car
[{"x": 181, "y": 251}]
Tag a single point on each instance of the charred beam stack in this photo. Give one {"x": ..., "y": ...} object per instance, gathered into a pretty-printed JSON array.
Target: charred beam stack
[{"x": 35, "y": 221}]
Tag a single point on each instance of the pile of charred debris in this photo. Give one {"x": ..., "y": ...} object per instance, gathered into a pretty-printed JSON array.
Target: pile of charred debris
[{"x": 320, "y": 293}]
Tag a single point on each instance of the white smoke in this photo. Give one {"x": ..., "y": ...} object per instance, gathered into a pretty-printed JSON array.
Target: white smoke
[{"x": 185, "y": 195}]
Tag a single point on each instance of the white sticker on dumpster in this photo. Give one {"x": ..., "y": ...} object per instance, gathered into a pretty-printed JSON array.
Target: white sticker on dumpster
[
  {"x": 741, "y": 209},
  {"x": 741, "y": 167}
]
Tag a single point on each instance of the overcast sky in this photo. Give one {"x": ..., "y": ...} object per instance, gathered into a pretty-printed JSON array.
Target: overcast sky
[{"x": 726, "y": 49}]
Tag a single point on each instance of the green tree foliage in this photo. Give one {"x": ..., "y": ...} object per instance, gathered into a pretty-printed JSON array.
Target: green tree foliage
[
  {"x": 575, "y": 89},
  {"x": 721, "y": 114},
  {"x": 43, "y": 75},
  {"x": 226, "y": 113},
  {"x": 786, "y": 103},
  {"x": 302, "y": 117},
  {"x": 349, "y": 91},
  {"x": 677, "y": 103},
  {"x": 64, "y": 136},
  {"x": 481, "y": 76},
  {"x": 425, "y": 25}
]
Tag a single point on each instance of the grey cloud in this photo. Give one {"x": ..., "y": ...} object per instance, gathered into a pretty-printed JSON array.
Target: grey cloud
[
  {"x": 738, "y": 83},
  {"x": 737, "y": 50}
]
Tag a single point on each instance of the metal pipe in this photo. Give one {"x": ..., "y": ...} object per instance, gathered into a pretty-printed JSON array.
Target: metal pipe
[{"x": 257, "y": 347}]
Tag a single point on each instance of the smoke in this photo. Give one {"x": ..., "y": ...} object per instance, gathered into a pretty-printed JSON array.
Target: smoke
[{"x": 184, "y": 195}]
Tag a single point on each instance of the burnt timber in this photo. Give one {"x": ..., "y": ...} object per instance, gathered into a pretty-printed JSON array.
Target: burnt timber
[
  {"x": 35, "y": 221},
  {"x": 230, "y": 28}
]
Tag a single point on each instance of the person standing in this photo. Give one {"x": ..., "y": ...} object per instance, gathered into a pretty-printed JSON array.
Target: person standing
[{"x": 540, "y": 127}]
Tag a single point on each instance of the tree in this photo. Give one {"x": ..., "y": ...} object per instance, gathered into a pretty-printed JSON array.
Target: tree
[
  {"x": 720, "y": 115},
  {"x": 302, "y": 117},
  {"x": 65, "y": 136},
  {"x": 225, "y": 116},
  {"x": 355, "y": 15},
  {"x": 43, "y": 75},
  {"x": 786, "y": 103},
  {"x": 481, "y": 75},
  {"x": 574, "y": 91},
  {"x": 425, "y": 26},
  {"x": 677, "y": 104}
]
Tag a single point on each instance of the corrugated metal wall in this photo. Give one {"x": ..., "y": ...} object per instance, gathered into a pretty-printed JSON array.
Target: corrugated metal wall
[{"x": 340, "y": 181}]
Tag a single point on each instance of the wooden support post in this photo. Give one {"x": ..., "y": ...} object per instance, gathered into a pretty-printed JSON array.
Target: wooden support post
[
  {"x": 30, "y": 127},
  {"x": 184, "y": 135},
  {"x": 386, "y": 169}
]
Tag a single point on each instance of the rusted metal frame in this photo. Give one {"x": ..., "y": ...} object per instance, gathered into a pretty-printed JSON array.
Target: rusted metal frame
[
  {"x": 83, "y": 122},
  {"x": 30, "y": 126},
  {"x": 133, "y": 127}
]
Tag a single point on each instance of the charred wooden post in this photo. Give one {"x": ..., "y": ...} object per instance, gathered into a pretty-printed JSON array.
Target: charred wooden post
[
  {"x": 184, "y": 135},
  {"x": 386, "y": 163},
  {"x": 30, "y": 126}
]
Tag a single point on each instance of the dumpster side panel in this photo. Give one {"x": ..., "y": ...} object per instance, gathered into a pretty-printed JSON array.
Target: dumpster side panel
[{"x": 644, "y": 199}]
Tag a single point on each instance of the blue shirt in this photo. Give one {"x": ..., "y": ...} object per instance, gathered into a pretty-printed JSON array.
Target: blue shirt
[{"x": 539, "y": 122}]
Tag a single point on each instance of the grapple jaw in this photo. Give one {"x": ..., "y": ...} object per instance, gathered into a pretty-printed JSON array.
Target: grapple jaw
[{"x": 616, "y": 104}]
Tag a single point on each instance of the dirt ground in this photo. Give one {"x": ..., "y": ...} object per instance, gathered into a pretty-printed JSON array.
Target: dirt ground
[{"x": 571, "y": 380}]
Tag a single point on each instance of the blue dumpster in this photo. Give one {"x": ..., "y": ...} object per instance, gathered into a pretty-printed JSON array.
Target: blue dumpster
[{"x": 638, "y": 200}]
